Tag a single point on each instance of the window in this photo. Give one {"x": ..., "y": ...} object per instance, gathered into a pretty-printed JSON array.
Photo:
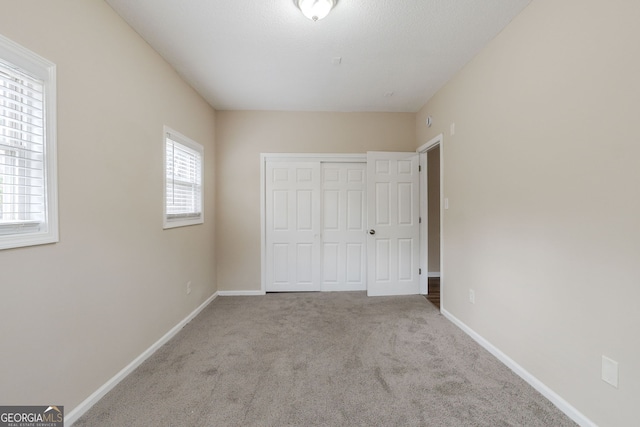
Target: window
[
  {"x": 28, "y": 191},
  {"x": 183, "y": 180}
]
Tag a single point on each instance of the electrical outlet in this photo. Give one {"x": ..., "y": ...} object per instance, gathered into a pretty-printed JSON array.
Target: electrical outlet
[
  {"x": 472, "y": 296},
  {"x": 610, "y": 371},
  {"x": 188, "y": 287},
  {"x": 452, "y": 129}
]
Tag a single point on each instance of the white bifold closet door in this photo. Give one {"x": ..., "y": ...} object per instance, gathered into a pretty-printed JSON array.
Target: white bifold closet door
[
  {"x": 315, "y": 226},
  {"x": 344, "y": 225},
  {"x": 292, "y": 226}
]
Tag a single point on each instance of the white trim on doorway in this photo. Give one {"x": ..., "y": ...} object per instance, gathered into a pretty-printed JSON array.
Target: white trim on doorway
[{"x": 424, "y": 210}]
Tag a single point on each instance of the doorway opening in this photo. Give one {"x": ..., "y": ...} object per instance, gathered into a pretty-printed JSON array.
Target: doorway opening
[{"x": 431, "y": 161}]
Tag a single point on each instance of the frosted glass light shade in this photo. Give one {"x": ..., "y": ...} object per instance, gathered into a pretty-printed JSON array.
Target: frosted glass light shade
[{"x": 316, "y": 9}]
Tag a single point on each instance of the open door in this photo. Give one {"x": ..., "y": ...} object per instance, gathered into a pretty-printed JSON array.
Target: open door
[{"x": 393, "y": 249}]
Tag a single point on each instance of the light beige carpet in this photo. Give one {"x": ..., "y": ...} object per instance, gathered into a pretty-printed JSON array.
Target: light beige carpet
[{"x": 328, "y": 359}]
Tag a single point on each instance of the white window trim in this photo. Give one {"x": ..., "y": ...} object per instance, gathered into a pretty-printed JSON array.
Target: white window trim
[
  {"x": 181, "y": 221},
  {"x": 31, "y": 63}
]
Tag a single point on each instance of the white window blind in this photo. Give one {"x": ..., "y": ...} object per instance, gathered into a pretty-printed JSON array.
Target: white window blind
[
  {"x": 22, "y": 166},
  {"x": 28, "y": 191},
  {"x": 183, "y": 185}
]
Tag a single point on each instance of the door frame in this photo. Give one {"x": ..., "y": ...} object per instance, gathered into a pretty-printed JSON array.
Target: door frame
[
  {"x": 424, "y": 213},
  {"x": 292, "y": 157}
]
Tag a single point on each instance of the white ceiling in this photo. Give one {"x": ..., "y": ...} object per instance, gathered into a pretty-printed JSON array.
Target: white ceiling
[{"x": 265, "y": 55}]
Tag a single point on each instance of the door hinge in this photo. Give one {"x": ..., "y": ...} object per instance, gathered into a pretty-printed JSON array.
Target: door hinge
[
  {"x": 420, "y": 220},
  {"x": 419, "y": 168},
  {"x": 419, "y": 271}
]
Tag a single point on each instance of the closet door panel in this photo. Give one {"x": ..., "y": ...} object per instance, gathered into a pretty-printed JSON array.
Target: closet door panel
[
  {"x": 292, "y": 217},
  {"x": 343, "y": 234}
]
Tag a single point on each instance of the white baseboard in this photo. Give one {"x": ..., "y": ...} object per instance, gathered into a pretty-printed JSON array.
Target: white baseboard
[
  {"x": 434, "y": 274},
  {"x": 551, "y": 395},
  {"x": 83, "y": 407},
  {"x": 240, "y": 293}
]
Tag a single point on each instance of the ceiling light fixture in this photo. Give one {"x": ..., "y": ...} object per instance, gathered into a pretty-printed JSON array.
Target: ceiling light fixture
[{"x": 315, "y": 9}]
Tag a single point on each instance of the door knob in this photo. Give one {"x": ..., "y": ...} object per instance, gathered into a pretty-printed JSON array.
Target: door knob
[{"x": 372, "y": 232}]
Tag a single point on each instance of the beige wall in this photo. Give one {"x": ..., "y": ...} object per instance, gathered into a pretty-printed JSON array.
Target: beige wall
[
  {"x": 73, "y": 314},
  {"x": 542, "y": 178},
  {"x": 242, "y": 136},
  {"x": 433, "y": 194}
]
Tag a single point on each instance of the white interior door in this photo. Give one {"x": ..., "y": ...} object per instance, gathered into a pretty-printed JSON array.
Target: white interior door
[
  {"x": 292, "y": 203},
  {"x": 344, "y": 226},
  {"x": 393, "y": 249}
]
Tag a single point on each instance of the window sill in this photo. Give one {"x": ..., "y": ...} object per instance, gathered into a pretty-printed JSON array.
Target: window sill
[
  {"x": 25, "y": 234},
  {"x": 182, "y": 222}
]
